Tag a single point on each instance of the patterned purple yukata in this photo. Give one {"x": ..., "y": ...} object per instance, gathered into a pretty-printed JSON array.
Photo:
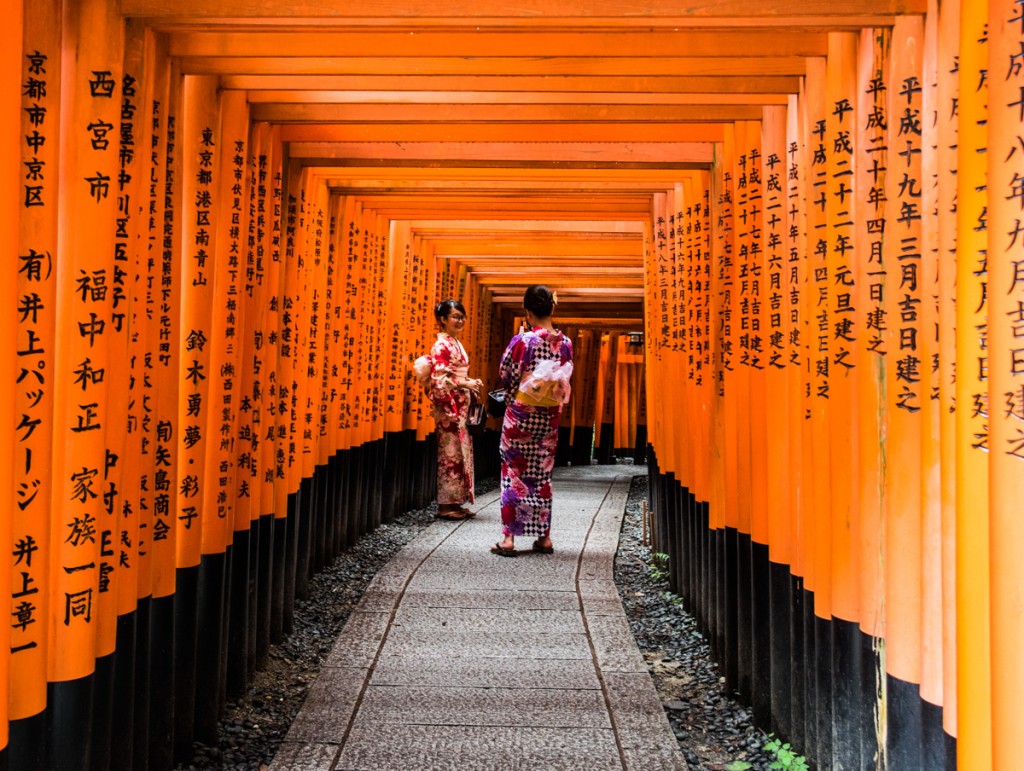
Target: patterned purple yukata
[
  {"x": 529, "y": 434},
  {"x": 449, "y": 361}
]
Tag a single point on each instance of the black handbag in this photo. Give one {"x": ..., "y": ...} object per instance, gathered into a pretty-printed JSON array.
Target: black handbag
[
  {"x": 496, "y": 403},
  {"x": 476, "y": 419}
]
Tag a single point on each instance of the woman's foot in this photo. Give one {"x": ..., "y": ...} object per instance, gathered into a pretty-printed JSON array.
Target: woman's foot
[
  {"x": 449, "y": 511},
  {"x": 543, "y": 545},
  {"x": 506, "y": 547}
]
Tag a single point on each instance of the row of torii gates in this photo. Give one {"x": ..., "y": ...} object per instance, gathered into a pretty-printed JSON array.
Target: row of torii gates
[{"x": 786, "y": 239}]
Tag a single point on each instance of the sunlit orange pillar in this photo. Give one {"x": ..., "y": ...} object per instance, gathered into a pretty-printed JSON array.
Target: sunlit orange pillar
[
  {"x": 844, "y": 326},
  {"x": 946, "y": 131},
  {"x": 36, "y": 247},
  {"x": 904, "y": 367},
  {"x": 11, "y": 72},
  {"x": 201, "y": 143},
  {"x": 85, "y": 268},
  {"x": 870, "y": 295},
  {"x": 795, "y": 348},
  {"x": 817, "y": 447},
  {"x": 974, "y": 641},
  {"x": 932, "y": 641},
  {"x": 1006, "y": 375}
]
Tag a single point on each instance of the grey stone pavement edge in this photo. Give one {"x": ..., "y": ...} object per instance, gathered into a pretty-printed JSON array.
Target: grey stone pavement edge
[{"x": 460, "y": 659}]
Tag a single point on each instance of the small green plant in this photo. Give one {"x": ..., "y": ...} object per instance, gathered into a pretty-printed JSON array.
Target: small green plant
[
  {"x": 659, "y": 565},
  {"x": 738, "y": 765},
  {"x": 674, "y": 599},
  {"x": 785, "y": 756}
]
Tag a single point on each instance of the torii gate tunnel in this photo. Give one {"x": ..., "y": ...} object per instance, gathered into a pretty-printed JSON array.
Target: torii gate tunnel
[{"x": 787, "y": 242}]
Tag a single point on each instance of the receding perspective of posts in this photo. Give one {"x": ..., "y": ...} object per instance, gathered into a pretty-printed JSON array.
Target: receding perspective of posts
[{"x": 786, "y": 244}]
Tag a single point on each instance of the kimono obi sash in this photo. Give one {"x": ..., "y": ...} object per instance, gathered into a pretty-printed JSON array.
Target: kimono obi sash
[
  {"x": 544, "y": 401},
  {"x": 547, "y": 385}
]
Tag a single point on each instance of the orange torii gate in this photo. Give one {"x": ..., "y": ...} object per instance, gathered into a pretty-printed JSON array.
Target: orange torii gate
[{"x": 225, "y": 241}]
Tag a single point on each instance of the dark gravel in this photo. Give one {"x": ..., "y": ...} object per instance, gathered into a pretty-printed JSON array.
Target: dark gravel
[{"x": 713, "y": 730}]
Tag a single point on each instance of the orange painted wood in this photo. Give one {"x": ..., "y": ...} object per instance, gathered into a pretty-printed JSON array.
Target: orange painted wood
[
  {"x": 372, "y": 43},
  {"x": 729, "y": 516},
  {"x": 30, "y": 232},
  {"x": 495, "y": 65},
  {"x": 508, "y": 112},
  {"x": 167, "y": 334},
  {"x": 11, "y": 69},
  {"x": 973, "y": 590},
  {"x": 1006, "y": 376},
  {"x": 796, "y": 275},
  {"x": 364, "y": 97},
  {"x": 817, "y": 445},
  {"x": 903, "y": 294},
  {"x": 776, "y": 327},
  {"x": 738, "y": 382},
  {"x": 946, "y": 130},
  {"x": 932, "y": 638},
  {"x": 645, "y": 85},
  {"x": 531, "y": 9},
  {"x": 227, "y": 324},
  {"x": 131, "y": 247},
  {"x": 580, "y": 131},
  {"x": 84, "y": 604},
  {"x": 759, "y": 399},
  {"x": 844, "y": 372},
  {"x": 248, "y": 438},
  {"x": 717, "y": 439},
  {"x": 200, "y": 201},
  {"x": 870, "y": 287}
]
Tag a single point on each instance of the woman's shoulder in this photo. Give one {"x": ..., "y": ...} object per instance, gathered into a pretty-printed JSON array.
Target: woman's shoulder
[{"x": 442, "y": 343}]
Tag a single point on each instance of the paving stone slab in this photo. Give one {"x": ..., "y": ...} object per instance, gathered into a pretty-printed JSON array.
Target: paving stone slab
[
  {"x": 421, "y": 670},
  {"x": 597, "y": 566},
  {"x": 638, "y": 713},
  {"x": 475, "y": 619},
  {"x": 655, "y": 760},
  {"x": 602, "y": 606},
  {"x": 615, "y": 645},
  {"x": 599, "y": 588},
  {"x": 527, "y": 563},
  {"x": 465, "y": 706},
  {"x": 329, "y": 705},
  {"x": 359, "y": 641},
  {"x": 482, "y": 580},
  {"x": 376, "y": 599},
  {"x": 387, "y": 582},
  {"x": 471, "y": 748},
  {"x": 305, "y": 756},
  {"x": 518, "y": 645},
  {"x": 497, "y": 600}
]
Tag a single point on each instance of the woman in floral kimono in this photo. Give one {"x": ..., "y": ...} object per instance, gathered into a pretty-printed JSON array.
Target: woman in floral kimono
[
  {"x": 449, "y": 389},
  {"x": 535, "y": 371}
]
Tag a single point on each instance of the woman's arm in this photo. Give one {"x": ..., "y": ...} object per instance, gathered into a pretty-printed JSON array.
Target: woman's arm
[{"x": 510, "y": 368}]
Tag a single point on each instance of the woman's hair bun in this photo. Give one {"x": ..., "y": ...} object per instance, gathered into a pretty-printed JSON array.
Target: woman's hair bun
[{"x": 539, "y": 300}]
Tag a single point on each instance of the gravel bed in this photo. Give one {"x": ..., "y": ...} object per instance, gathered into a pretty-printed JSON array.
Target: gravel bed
[{"x": 713, "y": 730}]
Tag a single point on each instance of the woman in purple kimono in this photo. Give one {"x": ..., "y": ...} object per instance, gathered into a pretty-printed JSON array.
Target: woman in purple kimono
[
  {"x": 449, "y": 389},
  {"x": 535, "y": 371}
]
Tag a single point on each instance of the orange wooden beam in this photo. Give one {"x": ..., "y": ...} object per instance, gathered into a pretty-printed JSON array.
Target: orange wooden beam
[{"x": 488, "y": 42}]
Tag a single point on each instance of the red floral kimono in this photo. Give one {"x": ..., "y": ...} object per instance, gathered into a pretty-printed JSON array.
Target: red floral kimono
[{"x": 449, "y": 362}]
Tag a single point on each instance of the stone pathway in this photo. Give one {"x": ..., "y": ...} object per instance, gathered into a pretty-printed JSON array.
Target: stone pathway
[{"x": 460, "y": 659}]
